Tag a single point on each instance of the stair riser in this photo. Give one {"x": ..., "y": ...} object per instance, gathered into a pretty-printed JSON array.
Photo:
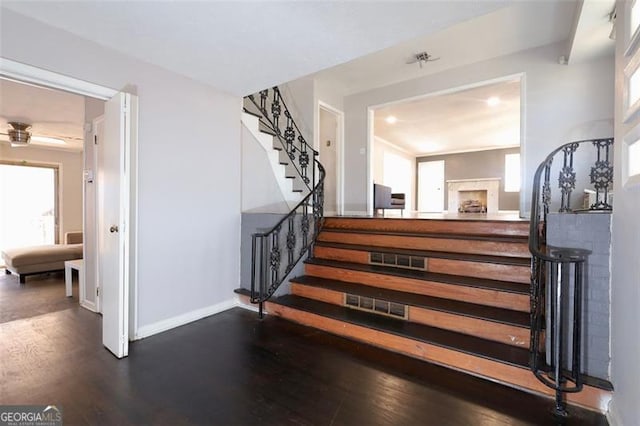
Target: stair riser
[
  {"x": 480, "y": 296},
  {"x": 520, "y": 274},
  {"x": 478, "y": 227},
  {"x": 520, "y": 378},
  {"x": 450, "y": 245},
  {"x": 503, "y": 333}
]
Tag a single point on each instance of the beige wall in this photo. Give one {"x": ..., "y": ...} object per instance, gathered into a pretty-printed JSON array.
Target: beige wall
[{"x": 70, "y": 189}]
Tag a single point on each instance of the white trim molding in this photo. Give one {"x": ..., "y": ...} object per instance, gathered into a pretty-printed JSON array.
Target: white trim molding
[
  {"x": 183, "y": 319},
  {"x": 24, "y": 73},
  {"x": 612, "y": 414}
]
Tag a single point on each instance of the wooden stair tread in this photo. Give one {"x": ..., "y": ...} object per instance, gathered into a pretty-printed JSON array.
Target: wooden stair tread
[
  {"x": 472, "y": 345},
  {"x": 513, "y": 261},
  {"x": 506, "y": 286},
  {"x": 504, "y": 316},
  {"x": 451, "y": 236}
]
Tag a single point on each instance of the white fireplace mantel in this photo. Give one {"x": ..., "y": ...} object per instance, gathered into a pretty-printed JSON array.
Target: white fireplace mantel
[{"x": 491, "y": 185}]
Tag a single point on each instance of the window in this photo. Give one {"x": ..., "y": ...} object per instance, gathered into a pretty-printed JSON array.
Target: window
[
  {"x": 631, "y": 158},
  {"x": 635, "y": 18},
  {"x": 398, "y": 174},
  {"x": 512, "y": 173},
  {"x": 30, "y": 216}
]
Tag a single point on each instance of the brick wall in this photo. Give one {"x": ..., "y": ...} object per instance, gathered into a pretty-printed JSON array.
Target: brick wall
[{"x": 590, "y": 231}]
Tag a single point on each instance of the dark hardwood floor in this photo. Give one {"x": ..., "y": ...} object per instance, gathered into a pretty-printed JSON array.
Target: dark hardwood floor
[
  {"x": 232, "y": 368},
  {"x": 41, "y": 294}
]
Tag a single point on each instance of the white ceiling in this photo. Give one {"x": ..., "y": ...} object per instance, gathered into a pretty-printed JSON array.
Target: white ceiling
[
  {"x": 51, "y": 113},
  {"x": 522, "y": 25},
  {"x": 242, "y": 47},
  {"x": 455, "y": 122}
]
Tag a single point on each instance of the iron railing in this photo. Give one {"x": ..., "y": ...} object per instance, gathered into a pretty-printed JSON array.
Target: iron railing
[
  {"x": 558, "y": 274},
  {"x": 275, "y": 252}
]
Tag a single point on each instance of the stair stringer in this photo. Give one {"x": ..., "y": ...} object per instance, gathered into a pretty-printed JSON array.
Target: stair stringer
[{"x": 280, "y": 171}]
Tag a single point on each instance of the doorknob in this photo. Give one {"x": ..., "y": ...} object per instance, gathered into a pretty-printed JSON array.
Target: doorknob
[{"x": 113, "y": 229}]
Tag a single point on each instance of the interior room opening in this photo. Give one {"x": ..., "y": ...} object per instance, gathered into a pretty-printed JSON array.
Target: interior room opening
[{"x": 462, "y": 145}]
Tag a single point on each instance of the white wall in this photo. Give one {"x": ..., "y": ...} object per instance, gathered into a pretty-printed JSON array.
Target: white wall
[
  {"x": 189, "y": 168},
  {"x": 625, "y": 266},
  {"x": 70, "y": 189},
  {"x": 563, "y": 103},
  {"x": 260, "y": 189}
]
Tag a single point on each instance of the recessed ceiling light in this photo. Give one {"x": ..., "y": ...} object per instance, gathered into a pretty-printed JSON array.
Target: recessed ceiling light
[
  {"x": 391, "y": 119},
  {"x": 46, "y": 139},
  {"x": 493, "y": 101}
]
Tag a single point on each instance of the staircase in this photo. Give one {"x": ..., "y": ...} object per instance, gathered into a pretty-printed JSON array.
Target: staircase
[
  {"x": 451, "y": 292},
  {"x": 291, "y": 185}
]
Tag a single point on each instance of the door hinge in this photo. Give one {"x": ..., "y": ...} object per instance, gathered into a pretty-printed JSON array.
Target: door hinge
[
  {"x": 95, "y": 139},
  {"x": 97, "y": 291}
]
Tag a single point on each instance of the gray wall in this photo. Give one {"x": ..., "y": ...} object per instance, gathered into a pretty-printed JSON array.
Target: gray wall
[{"x": 476, "y": 165}]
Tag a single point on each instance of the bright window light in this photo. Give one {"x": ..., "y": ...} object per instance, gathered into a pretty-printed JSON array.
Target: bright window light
[
  {"x": 634, "y": 87},
  {"x": 635, "y": 17},
  {"x": 512, "y": 173},
  {"x": 633, "y": 159}
]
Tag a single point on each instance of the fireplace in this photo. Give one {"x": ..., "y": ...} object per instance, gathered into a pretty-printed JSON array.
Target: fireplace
[
  {"x": 472, "y": 201},
  {"x": 473, "y": 195}
]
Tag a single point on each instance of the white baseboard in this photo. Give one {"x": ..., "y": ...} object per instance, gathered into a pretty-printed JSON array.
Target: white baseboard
[
  {"x": 612, "y": 415},
  {"x": 186, "y": 318},
  {"x": 89, "y": 305},
  {"x": 249, "y": 307}
]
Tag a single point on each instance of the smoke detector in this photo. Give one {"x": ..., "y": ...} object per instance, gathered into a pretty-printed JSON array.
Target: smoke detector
[{"x": 19, "y": 134}]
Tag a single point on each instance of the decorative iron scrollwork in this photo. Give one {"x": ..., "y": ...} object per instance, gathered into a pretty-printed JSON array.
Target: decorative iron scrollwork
[
  {"x": 303, "y": 159},
  {"x": 602, "y": 175}
]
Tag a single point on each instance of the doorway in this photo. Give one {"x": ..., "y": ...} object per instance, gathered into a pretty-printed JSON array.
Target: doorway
[
  {"x": 121, "y": 138},
  {"x": 476, "y": 130},
  {"x": 431, "y": 186},
  {"x": 330, "y": 125}
]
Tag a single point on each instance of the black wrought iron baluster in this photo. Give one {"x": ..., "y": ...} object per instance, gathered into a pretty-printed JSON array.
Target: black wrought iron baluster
[
  {"x": 305, "y": 226},
  {"x": 567, "y": 178},
  {"x": 546, "y": 190},
  {"x": 276, "y": 109},
  {"x": 263, "y": 101},
  {"x": 289, "y": 133},
  {"x": 275, "y": 258},
  {"x": 303, "y": 160},
  {"x": 602, "y": 174},
  {"x": 291, "y": 242}
]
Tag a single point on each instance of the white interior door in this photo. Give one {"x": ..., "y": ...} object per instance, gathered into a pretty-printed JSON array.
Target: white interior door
[
  {"x": 114, "y": 232},
  {"x": 431, "y": 186}
]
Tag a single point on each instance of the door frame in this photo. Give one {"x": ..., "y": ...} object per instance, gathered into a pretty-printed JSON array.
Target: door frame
[
  {"x": 23, "y": 73},
  {"x": 339, "y": 114}
]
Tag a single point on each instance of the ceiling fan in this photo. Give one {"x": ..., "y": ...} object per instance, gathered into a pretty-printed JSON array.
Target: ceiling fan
[
  {"x": 421, "y": 58},
  {"x": 19, "y": 135}
]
